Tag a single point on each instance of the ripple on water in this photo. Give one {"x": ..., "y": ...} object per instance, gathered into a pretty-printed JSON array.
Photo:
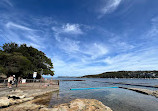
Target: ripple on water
[{"x": 117, "y": 99}]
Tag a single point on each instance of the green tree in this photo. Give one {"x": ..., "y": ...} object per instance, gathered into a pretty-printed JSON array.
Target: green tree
[{"x": 23, "y": 60}]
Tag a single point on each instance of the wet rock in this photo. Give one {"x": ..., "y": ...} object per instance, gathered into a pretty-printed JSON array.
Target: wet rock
[
  {"x": 155, "y": 93},
  {"x": 143, "y": 91}
]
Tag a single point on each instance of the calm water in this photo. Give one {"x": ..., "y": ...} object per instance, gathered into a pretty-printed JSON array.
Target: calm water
[{"x": 117, "y": 99}]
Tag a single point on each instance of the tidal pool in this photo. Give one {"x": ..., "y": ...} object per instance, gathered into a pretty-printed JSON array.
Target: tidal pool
[{"x": 117, "y": 99}]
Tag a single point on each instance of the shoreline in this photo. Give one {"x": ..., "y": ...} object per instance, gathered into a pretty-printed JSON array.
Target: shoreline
[
  {"x": 24, "y": 93},
  {"x": 41, "y": 103},
  {"x": 143, "y": 91},
  {"x": 38, "y": 99}
]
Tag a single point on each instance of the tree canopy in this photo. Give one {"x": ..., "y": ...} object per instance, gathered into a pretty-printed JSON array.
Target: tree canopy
[{"x": 21, "y": 60}]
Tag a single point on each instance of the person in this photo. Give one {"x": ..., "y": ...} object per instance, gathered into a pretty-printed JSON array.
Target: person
[
  {"x": 10, "y": 80},
  {"x": 14, "y": 80}
]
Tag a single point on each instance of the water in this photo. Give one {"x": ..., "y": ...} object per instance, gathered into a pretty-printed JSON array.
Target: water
[{"x": 117, "y": 99}]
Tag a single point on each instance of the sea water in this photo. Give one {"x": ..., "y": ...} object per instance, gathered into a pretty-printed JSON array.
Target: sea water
[{"x": 116, "y": 98}]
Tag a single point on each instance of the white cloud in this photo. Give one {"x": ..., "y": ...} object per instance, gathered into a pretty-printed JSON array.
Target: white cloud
[
  {"x": 33, "y": 37},
  {"x": 95, "y": 50},
  {"x": 68, "y": 29},
  {"x": 109, "y": 6},
  {"x": 6, "y": 3},
  {"x": 120, "y": 45},
  {"x": 69, "y": 46},
  {"x": 72, "y": 28},
  {"x": 153, "y": 32},
  {"x": 140, "y": 60},
  {"x": 13, "y": 32},
  {"x": 14, "y": 25}
]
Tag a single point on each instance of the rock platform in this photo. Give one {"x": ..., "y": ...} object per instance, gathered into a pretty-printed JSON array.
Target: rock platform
[
  {"x": 143, "y": 91},
  {"x": 74, "y": 105}
]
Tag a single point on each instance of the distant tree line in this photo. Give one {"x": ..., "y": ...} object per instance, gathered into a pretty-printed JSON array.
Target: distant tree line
[
  {"x": 22, "y": 61},
  {"x": 125, "y": 74}
]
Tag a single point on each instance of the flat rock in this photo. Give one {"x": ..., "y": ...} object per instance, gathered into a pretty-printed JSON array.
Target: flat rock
[
  {"x": 17, "y": 91},
  {"x": 143, "y": 91},
  {"x": 4, "y": 101},
  {"x": 26, "y": 107}
]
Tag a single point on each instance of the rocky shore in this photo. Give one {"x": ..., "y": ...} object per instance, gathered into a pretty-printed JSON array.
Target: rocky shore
[
  {"x": 19, "y": 96},
  {"x": 37, "y": 99},
  {"x": 24, "y": 93},
  {"x": 74, "y": 105},
  {"x": 143, "y": 91}
]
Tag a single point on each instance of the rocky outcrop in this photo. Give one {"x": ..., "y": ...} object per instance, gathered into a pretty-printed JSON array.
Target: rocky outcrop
[
  {"x": 155, "y": 93},
  {"x": 143, "y": 91},
  {"x": 74, "y": 105},
  {"x": 5, "y": 101},
  {"x": 82, "y": 105},
  {"x": 18, "y": 96},
  {"x": 23, "y": 107}
]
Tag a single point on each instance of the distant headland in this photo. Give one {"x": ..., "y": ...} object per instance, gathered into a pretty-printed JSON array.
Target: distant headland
[{"x": 125, "y": 74}]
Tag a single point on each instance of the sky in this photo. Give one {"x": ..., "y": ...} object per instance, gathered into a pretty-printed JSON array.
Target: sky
[{"x": 85, "y": 36}]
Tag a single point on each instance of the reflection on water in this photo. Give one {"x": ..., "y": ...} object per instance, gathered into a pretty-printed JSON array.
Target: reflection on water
[
  {"x": 54, "y": 99},
  {"x": 117, "y": 99}
]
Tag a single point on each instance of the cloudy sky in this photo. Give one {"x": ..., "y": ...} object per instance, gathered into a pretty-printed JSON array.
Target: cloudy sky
[{"x": 85, "y": 36}]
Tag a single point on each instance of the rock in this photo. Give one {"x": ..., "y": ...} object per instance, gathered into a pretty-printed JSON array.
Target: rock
[
  {"x": 45, "y": 109},
  {"x": 75, "y": 105},
  {"x": 82, "y": 105},
  {"x": 4, "y": 101},
  {"x": 17, "y": 95},
  {"x": 17, "y": 91},
  {"x": 26, "y": 107},
  {"x": 28, "y": 99},
  {"x": 143, "y": 91},
  {"x": 155, "y": 93}
]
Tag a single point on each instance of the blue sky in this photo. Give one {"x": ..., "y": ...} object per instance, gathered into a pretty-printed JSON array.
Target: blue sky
[{"x": 85, "y": 36}]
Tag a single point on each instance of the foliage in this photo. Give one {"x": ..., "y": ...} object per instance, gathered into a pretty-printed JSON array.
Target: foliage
[
  {"x": 126, "y": 74},
  {"x": 23, "y": 61}
]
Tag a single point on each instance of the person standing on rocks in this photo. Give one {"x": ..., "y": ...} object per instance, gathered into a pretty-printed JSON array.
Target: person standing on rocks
[{"x": 10, "y": 80}]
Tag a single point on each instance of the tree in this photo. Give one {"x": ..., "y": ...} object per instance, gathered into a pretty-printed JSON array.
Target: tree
[{"x": 23, "y": 60}]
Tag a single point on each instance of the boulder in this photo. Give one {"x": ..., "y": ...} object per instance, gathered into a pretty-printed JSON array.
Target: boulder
[
  {"x": 74, "y": 105},
  {"x": 4, "y": 101},
  {"x": 155, "y": 93},
  {"x": 82, "y": 105}
]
